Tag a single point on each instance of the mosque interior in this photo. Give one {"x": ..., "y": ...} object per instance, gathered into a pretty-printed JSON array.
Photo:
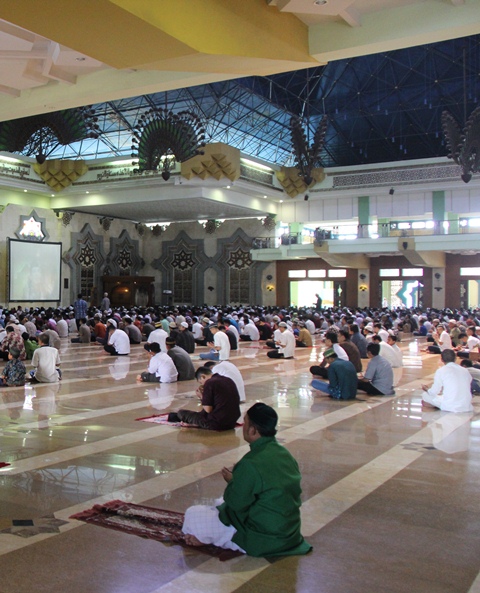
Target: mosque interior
[{"x": 388, "y": 486}]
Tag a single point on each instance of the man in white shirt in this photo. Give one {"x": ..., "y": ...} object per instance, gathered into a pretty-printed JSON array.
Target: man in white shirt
[
  {"x": 392, "y": 341},
  {"x": 228, "y": 369},
  {"x": 159, "y": 336},
  {"x": 286, "y": 344},
  {"x": 387, "y": 352},
  {"x": 442, "y": 340},
  {"x": 331, "y": 341},
  {"x": 161, "y": 368},
  {"x": 62, "y": 327},
  {"x": 379, "y": 331},
  {"x": 220, "y": 346},
  {"x": 45, "y": 361},
  {"x": 310, "y": 326},
  {"x": 231, "y": 327},
  {"x": 250, "y": 332},
  {"x": 467, "y": 343},
  {"x": 118, "y": 340},
  {"x": 451, "y": 386},
  {"x": 197, "y": 329}
]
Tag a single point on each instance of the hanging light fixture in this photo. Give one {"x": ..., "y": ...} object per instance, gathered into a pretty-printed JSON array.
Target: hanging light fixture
[
  {"x": 163, "y": 138},
  {"x": 463, "y": 145},
  {"x": 307, "y": 155}
]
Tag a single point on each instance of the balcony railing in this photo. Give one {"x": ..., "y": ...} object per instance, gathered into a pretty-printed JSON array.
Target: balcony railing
[{"x": 369, "y": 231}]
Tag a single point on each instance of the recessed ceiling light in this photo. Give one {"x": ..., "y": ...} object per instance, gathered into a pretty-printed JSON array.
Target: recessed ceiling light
[
  {"x": 87, "y": 192},
  {"x": 80, "y": 59},
  {"x": 25, "y": 190},
  {"x": 265, "y": 197},
  {"x": 320, "y": 2},
  {"x": 228, "y": 186}
]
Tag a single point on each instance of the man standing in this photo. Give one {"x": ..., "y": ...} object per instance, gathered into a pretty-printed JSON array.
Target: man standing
[
  {"x": 220, "y": 403},
  {"x": 80, "y": 309},
  {"x": 453, "y": 382},
  {"x": 105, "y": 304},
  {"x": 260, "y": 514}
]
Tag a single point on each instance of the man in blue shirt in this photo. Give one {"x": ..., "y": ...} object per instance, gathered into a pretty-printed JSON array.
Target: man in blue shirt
[
  {"x": 342, "y": 378},
  {"x": 378, "y": 378},
  {"x": 80, "y": 309}
]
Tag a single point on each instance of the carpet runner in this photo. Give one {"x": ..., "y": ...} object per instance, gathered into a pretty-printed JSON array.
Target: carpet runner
[{"x": 148, "y": 522}]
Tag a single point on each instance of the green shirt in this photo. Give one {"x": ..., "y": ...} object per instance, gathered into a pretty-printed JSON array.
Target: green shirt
[
  {"x": 262, "y": 501},
  {"x": 30, "y": 347}
]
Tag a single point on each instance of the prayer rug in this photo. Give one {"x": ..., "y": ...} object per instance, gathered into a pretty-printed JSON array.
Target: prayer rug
[
  {"x": 148, "y": 522},
  {"x": 163, "y": 419}
]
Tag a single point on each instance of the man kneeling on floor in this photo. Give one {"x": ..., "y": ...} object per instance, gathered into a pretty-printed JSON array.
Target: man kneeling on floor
[
  {"x": 260, "y": 510},
  {"x": 220, "y": 403}
]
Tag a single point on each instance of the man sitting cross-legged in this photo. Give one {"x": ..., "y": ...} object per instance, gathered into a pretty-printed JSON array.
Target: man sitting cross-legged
[
  {"x": 181, "y": 359},
  {"x": 260, "y": 513},
  {"x": 220, "y": 403},
  {"x": 161, "y": 368},
  {"x": 45, "y": 361},
  {"x": 342, "y": 377},
  {"x": 451, "y": 386},
  {"x": 378, "y": 378}
]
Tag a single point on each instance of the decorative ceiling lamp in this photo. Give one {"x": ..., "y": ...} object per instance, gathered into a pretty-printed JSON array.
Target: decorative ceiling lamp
[
  {"x": 40, "y": 135},
  {"x": 307, "y": 157},
  {"x": 162, "y": 138},
  {"x": 463, "y": 145}
]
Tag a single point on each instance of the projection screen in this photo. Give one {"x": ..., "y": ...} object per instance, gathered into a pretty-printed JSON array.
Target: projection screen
[{"x": 35, "y": 271}]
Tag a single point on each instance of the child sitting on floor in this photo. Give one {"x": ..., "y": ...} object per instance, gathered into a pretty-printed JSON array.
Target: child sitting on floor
[
  {"x": 14, "y": 372},
  {"x": 31, "y": 345}
]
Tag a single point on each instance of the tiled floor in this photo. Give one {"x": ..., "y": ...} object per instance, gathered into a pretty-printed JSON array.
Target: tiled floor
[{"x": 390, "y": 490}]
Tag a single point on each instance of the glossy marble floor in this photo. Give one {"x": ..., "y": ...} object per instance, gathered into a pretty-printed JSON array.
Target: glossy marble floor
[{"x": 390, "y": 490}]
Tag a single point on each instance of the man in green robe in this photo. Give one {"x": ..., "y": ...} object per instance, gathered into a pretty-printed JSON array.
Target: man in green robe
[{"x": 260, "y": 511}]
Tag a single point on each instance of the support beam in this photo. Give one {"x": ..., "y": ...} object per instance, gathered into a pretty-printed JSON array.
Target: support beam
[
  {"x": 425, "y": 259},
  {"x": 342, "y": 260}
]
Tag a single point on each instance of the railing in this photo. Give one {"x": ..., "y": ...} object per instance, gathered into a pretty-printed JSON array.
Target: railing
[{"x": 368, "y": 231}]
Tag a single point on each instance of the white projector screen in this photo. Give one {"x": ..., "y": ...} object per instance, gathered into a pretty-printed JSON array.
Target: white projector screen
[{"x": 34, "y": 271}]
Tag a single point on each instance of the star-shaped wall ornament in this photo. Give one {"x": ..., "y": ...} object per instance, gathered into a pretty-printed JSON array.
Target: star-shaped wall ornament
[
  {"x": 32, "y": 228},
  {"x": 239, "y": 259}
]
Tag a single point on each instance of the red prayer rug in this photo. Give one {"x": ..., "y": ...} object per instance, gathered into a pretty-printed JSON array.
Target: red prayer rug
[{"x": 148, "y": 522}]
